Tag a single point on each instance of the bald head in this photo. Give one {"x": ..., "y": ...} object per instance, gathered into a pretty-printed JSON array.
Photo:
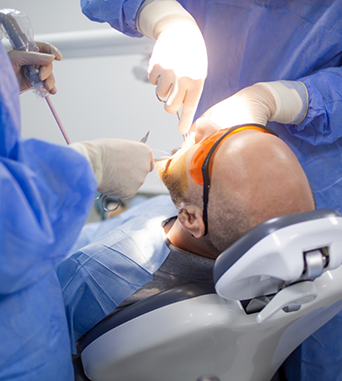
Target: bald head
[
  {"x": 262, "y": 174},
  {"x": 254, "y": 177}
]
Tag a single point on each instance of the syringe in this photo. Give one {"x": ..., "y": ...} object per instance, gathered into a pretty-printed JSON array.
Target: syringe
[{"x": 18, "y": 30}]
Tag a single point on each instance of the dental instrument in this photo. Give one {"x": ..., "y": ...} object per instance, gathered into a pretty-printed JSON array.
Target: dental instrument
[
  {"x": 19, "y": 32},
  {"x": 185, "y": 135},
  {"x": 144, "y": 139}
]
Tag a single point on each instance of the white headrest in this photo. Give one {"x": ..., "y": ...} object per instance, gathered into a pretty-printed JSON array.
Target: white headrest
[{"x": 273, "y": 252}]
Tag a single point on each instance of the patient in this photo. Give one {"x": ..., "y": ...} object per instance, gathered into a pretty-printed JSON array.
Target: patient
[{"x": 253, "y": 176}]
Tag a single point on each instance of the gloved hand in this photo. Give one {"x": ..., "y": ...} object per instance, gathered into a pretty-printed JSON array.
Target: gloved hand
[
  {"x": 44, "y": 59},
  {"x": 280, "y": 101},
  {"x": 120, "y": 166},
  {"x": 178, "y": 65}
]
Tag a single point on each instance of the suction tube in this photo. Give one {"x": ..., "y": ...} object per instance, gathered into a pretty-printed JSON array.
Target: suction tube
[{"x": 17, "y": 29}]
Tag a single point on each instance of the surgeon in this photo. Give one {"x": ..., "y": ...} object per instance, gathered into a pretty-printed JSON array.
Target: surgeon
[
  {"x": 47, "y": 191},
  {"x": 232, "y": 45}
]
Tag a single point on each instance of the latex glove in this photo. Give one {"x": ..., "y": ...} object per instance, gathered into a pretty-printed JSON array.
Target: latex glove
[
  {"x": 120, "y": 166},
  {"x": 43, "y": 59},
  {"x": 280, "y": 101},
  {"x": 178, "y": 64}
]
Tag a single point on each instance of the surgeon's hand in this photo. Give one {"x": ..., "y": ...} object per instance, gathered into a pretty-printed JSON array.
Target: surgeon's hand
[
  {"x": 120, "y": 166},
  {"x": 42, "y": 59},
  {"x": 178, "y": 64},
  {"x": 280, "y": 101}
]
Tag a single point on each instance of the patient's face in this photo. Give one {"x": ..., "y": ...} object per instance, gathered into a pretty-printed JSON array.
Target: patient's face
[{"x": 174, "y": 171}]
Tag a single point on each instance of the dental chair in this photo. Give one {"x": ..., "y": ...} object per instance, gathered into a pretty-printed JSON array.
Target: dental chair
[{"x": 273, "y": 288}]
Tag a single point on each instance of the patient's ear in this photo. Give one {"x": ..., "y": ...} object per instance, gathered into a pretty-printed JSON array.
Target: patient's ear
[{"x": 192, "y": 220}]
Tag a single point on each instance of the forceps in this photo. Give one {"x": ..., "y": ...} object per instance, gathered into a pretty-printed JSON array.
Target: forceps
[
  {"x": 104, "y": 197},
  {"x": 162, "y": 100}
]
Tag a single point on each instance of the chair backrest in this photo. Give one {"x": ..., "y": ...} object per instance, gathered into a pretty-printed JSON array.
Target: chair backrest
[
  {"x": 186, "y": 333},
  {"x": 279, "y": 259}
]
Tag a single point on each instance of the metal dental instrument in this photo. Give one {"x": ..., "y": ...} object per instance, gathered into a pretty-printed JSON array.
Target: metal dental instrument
[
  {"x": 164, "y": 101},
  {"x": 103, "y": 199},
  {"x": 144, "y": 139}
]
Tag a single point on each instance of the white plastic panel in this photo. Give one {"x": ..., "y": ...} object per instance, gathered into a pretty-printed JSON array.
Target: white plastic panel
[{"x": 279, "y": 256}]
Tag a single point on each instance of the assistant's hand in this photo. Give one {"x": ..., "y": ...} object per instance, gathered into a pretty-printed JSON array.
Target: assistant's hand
[
  {"x": 178, "y": 64},
  {"x": 280, "y": 101},
  {"x": 120, "y": 166},
  {"x": 43, "y": 59}
]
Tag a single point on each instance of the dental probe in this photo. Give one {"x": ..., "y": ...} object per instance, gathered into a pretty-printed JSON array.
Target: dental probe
[
  {"x": 144, "y": 139},
  {"x": 10, "y": 20}
]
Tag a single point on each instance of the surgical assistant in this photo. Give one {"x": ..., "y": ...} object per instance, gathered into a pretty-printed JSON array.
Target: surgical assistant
[
  {"x": 42, "y": 195},
  {"x": 260, "y": 41},
  {"x": 47, "y": 191}
]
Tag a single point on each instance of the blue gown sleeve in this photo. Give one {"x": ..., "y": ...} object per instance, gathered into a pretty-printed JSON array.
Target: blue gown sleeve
[
  {"x": 46, "y": 193},
  {"x": 322, "y": 124},
  {"x": 119, "y": 14}
]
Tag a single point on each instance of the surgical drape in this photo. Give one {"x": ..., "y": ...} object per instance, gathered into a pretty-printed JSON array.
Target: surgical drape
[
  {"x": 122, "y": 255},
  {"x": 251, "y": 41},
  {"x": 46, "y": 192}
]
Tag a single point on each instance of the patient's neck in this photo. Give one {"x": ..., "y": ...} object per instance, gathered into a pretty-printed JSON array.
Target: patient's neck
[{"x": 182, "y": 239}]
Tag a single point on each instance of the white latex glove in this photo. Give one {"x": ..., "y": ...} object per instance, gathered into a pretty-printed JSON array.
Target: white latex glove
[
  {"x": 120, "y": 166},
  {"x": 178, "y": 64},
  {"x": 47, "y": 53},
  {"x": 280, "y": 101}
]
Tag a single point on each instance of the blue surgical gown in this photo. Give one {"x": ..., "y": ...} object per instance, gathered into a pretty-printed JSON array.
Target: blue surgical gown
[
  {"x": 249, "y": 41},
  {"x": 46, "y": 192}
]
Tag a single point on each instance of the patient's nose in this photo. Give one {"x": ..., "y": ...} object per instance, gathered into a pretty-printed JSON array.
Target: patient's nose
[{"x": 204, "y": 128}]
